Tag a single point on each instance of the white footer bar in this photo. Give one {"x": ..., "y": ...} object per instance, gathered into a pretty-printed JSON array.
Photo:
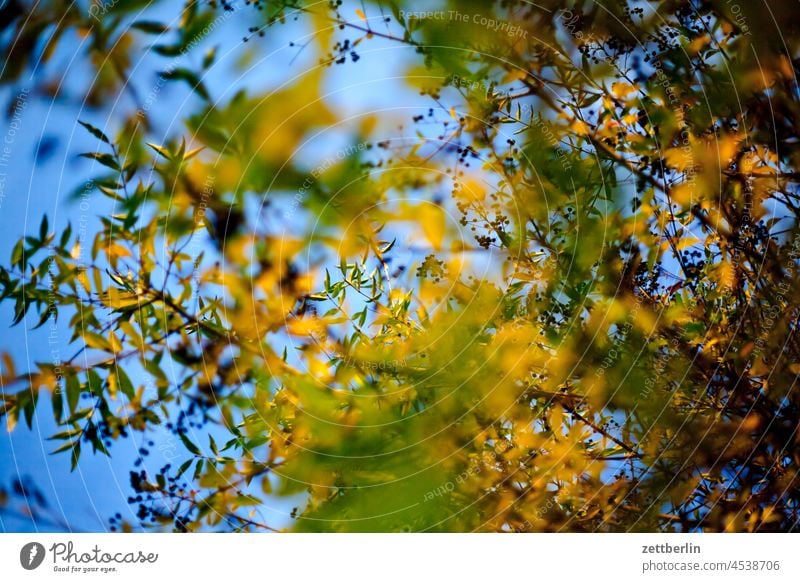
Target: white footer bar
[{"x": 400, "y": 557}]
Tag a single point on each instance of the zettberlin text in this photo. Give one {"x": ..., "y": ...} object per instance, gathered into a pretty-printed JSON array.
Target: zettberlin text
[{"x": 686, "y": 548}]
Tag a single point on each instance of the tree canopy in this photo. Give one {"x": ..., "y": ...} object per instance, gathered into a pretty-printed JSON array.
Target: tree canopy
[{"x": 560, "y": 296}]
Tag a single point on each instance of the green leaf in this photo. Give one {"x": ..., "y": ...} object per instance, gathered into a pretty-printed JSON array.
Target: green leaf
[
  {"x": 76, "y": 455},
  {"x": 198, "y": 468},
  {"x": 17, "y": 253},
  {"x": 58, "y": 405},
  {"x": 97, "y": 444},
  {"x": 156, "y": 372},
  {"x": 190, "y": 78},
  {"x": 190, "y": 446},
  {"x": 164, "y": 152},
  {"x": 94, "y": 383},
  {"x": 124, "y": 383},
  {"x": 184, "y": 467},
  {"x": 150, "y": 26},
  {"x": 81, "y": 414},
  {"x": 65, "y": 236},
  {"x": 73, "y": 387},
  {"x": 67, "y": 434},
  {"x": 246, "y": 500},
  {"x": 43, "y": 226},
  {"x": 209, "y": 57},
  {"x": 105, "y": 159},
  {"x": 167, "y": 50},
  {"x": 30, "y": 406},
  {"x": 65, "y": 447}
]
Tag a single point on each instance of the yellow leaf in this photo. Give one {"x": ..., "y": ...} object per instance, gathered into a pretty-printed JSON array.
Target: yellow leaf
[
  {"x": 361, "y": 15},
  {"x": 83, "y": 279},
  {"x": 679, "y": 159},
  {"x": 112, "y": 386},
  {"x": 115, "y": 251},
  {"x": 686, "y": 242},
  {"x": 116, "y": 345},
  {"x": 699, "y": 43},
  {"x": 95, "y": 341},
  {"x": 622, "y": 90},
  {"x": 8, "y": 365},
  {"x": 471, "y": 190},
  {"x": 556, "y": 418},
  {"x": 580, "y": 128},
  {"x": 728, "y": 147},
  {"x": 117, "y": 299},
  {"x": 724, "y": 273},
  {"x": 306, "y": 326},
  {"x": 683, "y": 194}
]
